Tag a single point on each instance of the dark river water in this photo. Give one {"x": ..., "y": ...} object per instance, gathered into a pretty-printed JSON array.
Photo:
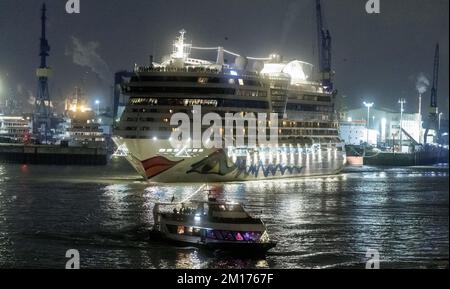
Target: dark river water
[{"x": 322, "y": 222}]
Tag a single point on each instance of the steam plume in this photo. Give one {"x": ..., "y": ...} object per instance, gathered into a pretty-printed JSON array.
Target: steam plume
[
  {"x": 289, "y": 20},
  {"x": 422, "y": 83},
  {"x": 85, "y": 54}
]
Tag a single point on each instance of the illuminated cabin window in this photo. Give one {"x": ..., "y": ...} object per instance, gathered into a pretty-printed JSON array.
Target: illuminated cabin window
[
  {"x": 143, "y": 100},
  {"x": 143, "y": 110},
  {"x": 252, "y": 236},
  {"x": 203, "y": 80},
  {"x": 191, "y": 102},
  {"x": 210, "y": 234},
  {"x": 182, "y": 230},
  {"x": 188, "y": 230},
  {"x": 233, "y": 235},
  {"x": 241, "y": 81},
  {"x": 246, "y": 92},
  {"x": 228, "y": 236},
  {"x": 238, "y": 236}
]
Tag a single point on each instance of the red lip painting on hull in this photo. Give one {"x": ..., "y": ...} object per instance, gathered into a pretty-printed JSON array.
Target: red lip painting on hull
[{"x": 156, "y": 165}]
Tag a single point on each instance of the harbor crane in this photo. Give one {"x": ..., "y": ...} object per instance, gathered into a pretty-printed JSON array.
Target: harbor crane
[
  {"x": 324, "y": 51},
  {"x": 42, "y": 111},
  {"x": 431, "y": 122}
]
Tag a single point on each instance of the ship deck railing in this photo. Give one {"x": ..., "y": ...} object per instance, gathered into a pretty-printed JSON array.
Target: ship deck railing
[{"x": 181, "y": 217}]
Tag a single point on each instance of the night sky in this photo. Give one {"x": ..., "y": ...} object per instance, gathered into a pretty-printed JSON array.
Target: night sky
[{"x": 376, "y": 57}]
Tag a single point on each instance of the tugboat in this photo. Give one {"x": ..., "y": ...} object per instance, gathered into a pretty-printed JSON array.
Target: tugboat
[{"x": 212, "y": 224}]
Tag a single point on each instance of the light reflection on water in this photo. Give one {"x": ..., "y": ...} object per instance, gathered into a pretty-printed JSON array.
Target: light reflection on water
[{"x": 319, "y": 222}]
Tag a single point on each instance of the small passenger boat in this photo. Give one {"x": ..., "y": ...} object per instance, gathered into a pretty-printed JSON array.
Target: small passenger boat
[{"x": 218, "y": 225}]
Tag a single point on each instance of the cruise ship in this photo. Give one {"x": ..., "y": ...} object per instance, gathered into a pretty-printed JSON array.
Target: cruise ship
[{"x": 308, "y": 142}]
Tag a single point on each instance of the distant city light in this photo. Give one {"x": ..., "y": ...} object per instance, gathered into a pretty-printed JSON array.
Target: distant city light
[
  {"x": 349, "y": 119},
  {"x": 232, "y": 72},
  {"x": 368, "y": 104}
]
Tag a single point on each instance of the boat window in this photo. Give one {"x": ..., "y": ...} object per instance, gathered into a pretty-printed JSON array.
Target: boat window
[
  {"x": 228, "y": 236},
  {"x": 188, "y": 230},
  {"x": 218, "y": 235},
  {"x": 180, "y": 230},
  {"x": 238, "y": 236},
  {"x": 196, "y": 232},
  {"x": 210, "y": 234},
  {"x": 172, "y": 229},
  {"x": 252, "y": 236}
]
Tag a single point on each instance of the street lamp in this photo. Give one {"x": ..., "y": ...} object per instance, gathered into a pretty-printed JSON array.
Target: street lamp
[
  {"x": 1, "y": 90},
  {"x": 439, "y": 125},
  {"x": 97, "y": 102},
  {"x": 383, "y": 129},
  {"x": 402, "y": 101},
  {"x": 368, "y": 105}
]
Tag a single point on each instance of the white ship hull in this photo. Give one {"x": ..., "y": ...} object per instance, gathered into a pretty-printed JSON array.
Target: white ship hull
[{"x": 155, "y": 160}]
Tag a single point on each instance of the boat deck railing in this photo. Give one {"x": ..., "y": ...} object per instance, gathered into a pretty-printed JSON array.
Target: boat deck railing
[{"x": 182, "y": 217}]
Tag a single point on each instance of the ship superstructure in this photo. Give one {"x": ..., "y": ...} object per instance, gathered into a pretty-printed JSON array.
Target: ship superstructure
[
  {"x": 308, "y": 141},
  {"x": 83, "y": 127}
]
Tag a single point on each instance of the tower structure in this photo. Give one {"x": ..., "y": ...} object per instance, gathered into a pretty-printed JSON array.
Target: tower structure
[{"x": 42, "y": 110}]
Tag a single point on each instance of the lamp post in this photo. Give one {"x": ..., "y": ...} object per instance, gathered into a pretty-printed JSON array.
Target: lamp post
[
  {"x": 439, "y": 126},
  {"x": 1, "y": 91},
  {"x": 97, "y": 102},
  {"x": 368, "y": 105},
  {"x": 420, "y": 105},
  {"x": 420, "y": 116},
  {"x": 383, "y": 129},
  {"x": 402, "y": 101}
]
